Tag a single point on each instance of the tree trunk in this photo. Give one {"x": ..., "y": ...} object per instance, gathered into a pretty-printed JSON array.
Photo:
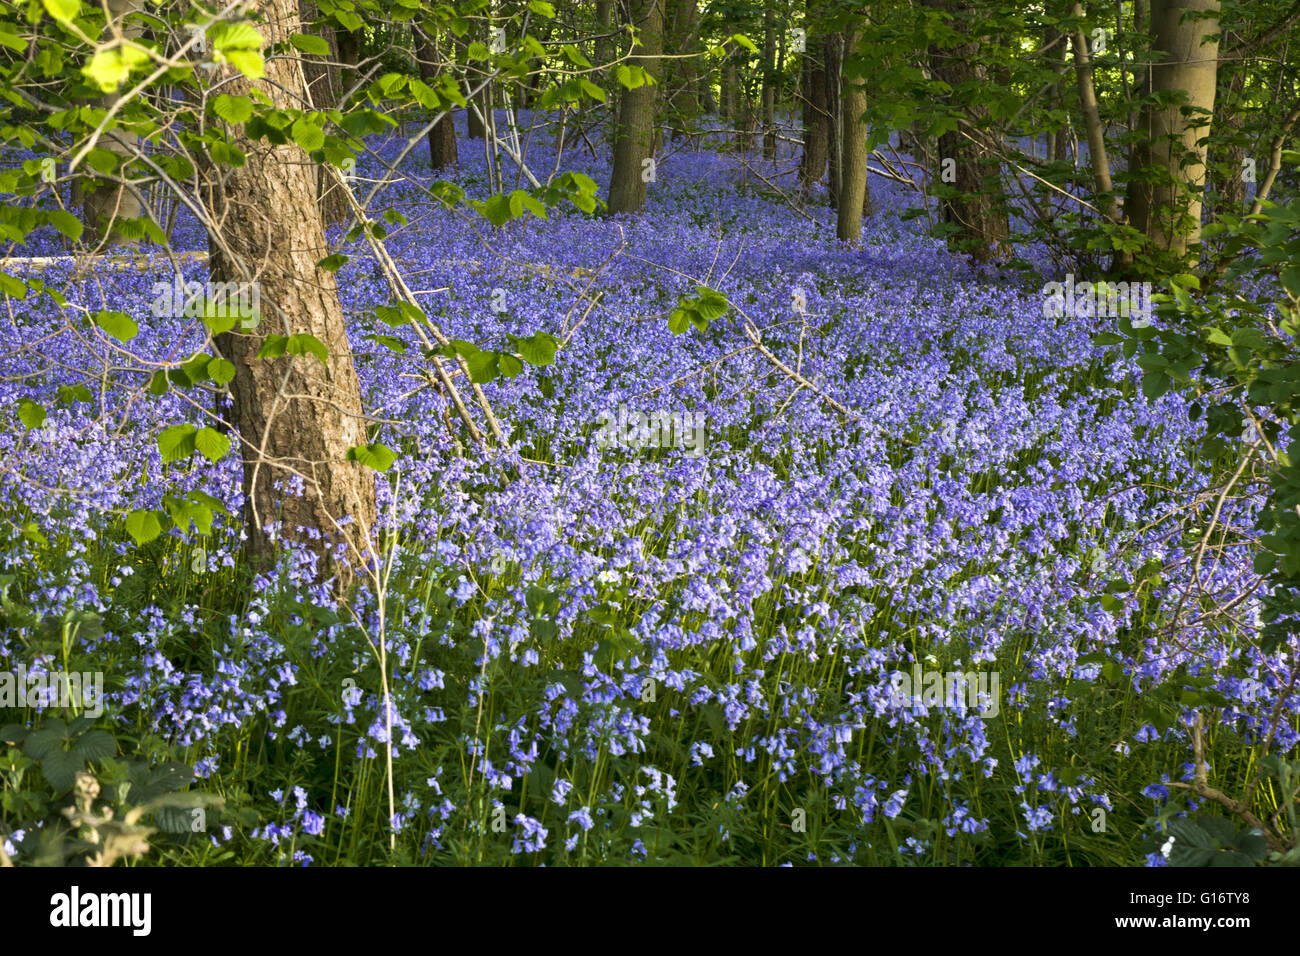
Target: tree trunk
[
  {"x": 1057, "y": 51},
  {"x": 1229, "y": 192},
  {"x": 635, "y": 135},
  {"x": 854, "y": 199},
  {"x": 319, "y": 79},
  {"x": 730, "y": 93},
  {"x": 769, "y": 80},
  {"x": 295, "y": 415},
  {"x": 1097, "y": 154},
  {"x": 682, "y": 76},
  {"x": 442, "y": 138},
  {"x": 833, "y": 46},
  {"x": 1165, "y": 193},
  {"x": 974, "y": 202},
  {"x": 816, "y": 115},
  {"x": 103, "y": 206}
]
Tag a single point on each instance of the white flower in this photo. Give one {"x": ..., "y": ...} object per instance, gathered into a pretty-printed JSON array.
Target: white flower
[{"x": 1167, "y": 848}]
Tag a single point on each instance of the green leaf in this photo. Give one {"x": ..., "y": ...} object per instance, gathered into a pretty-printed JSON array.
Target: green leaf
[
  {"x": 211, "y": 444},
  {"x": 316, "y": 46},
  {"x": 31, "y": 414},
  {"x": 238, "y": 35},
  {"x": 96, "y": 745},
  {"x": 62, "y": 10},
  {"x": 65, "y": 222},
  {"x": 743, "y": 41},
  {"x": 1154, "y": 385},
  {"x": 306, "y": 344},
  {"x": 332, "y": 263},
  {"x": 273, "y": 346},
  {"x": 376, "y": 456},
  {"x": 247, "y": 62},
  {"x": 117, "y": 324},
  {"x": 509, "y": 365},
  {"x": 233, "y": 109},
  {"x": 60, "y": 768},
  {"x": 307, "y": 134},
  {"x": 483, "y": 366},
  {"x": 108, "y": 69},
  {"x": 537, "y": 349},
  {"x": 221, "y": 370},
  {"x": 143, "y": 526},
  {"x": 12, "y": 286},
  {"x": 177, "y": 442}
]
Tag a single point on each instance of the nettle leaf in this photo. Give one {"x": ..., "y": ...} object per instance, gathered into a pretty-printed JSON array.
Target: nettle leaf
[
  {"x": 60, "y": 768},
  {"x": 96, "y": 745},
  {"x": 211, "y": 444},
  {"x": 31, "y": 414},
  {"x": 117, "y": 324},
  {"x": 376, "y": 456},
  {"x": 143, "y": 526}
]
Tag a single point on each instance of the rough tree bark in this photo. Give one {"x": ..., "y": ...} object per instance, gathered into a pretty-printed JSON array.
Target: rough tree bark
[
  {"x": 636, "y": 128},
  {"x": 977, "y": 206},
  {"x": 321, "y": 94},
  {"x": 816, "y": 115},
  {"x": 294, "y": 414},
  {"x": 442, "y": 138},
  {"x": 681, "y": 76}
]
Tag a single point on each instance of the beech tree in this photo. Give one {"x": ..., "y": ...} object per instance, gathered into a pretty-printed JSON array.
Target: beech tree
[
  {"x": 297, "y": 415},
  {"x": 1164, "y": 193},
  {"x": 634, "y": 137}
]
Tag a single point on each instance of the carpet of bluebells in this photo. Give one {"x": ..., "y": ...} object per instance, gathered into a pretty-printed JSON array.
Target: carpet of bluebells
[{"x": 623, "y": 654}]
